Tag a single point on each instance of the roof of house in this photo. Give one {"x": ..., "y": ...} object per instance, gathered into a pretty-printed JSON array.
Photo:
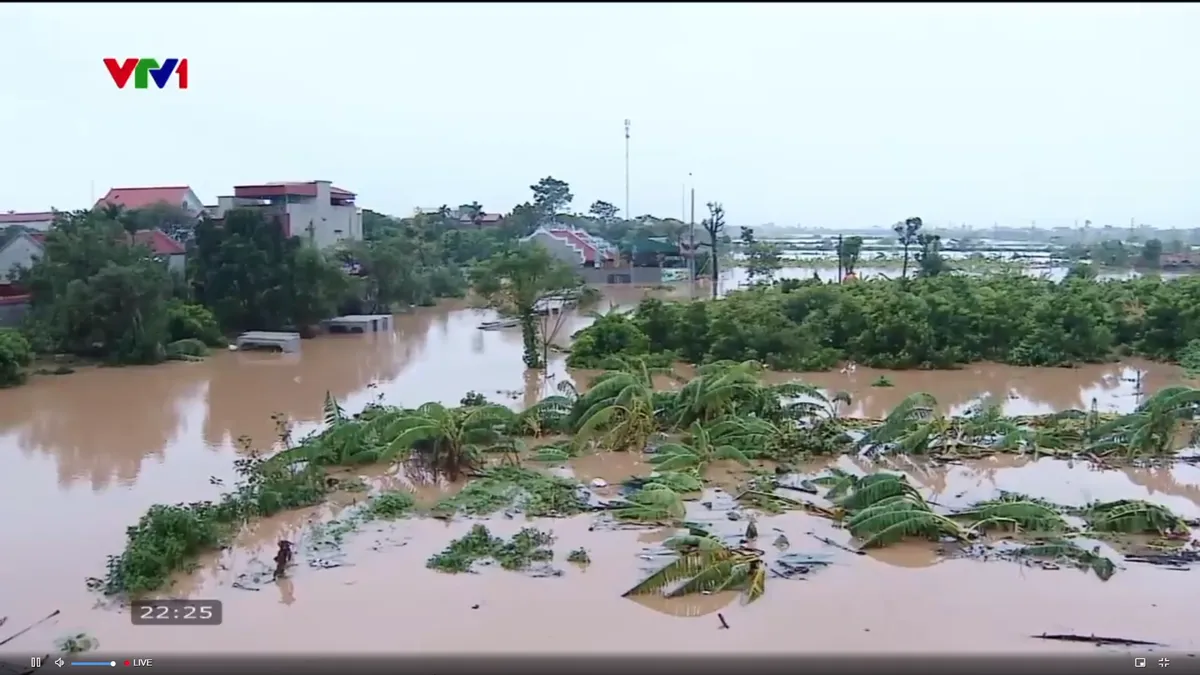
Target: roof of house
[
  {"x": 14, "y": 218},
  {"x": 652, "y": 245},
  {"x": 585, "y": 248},
  {"x": 299, "y": 188},
  {"x": 141, "y": 197},
  {"x": 159, "y": 242}
]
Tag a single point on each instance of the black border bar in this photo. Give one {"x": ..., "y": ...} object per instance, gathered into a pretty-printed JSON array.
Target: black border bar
[{"x": 1083, "y": 663}]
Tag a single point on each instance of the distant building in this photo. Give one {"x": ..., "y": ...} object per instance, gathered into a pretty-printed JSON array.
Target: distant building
[
  {"x": 141, "y": 197},
  {"x": 315, "y": 211},
  {"x": 21, "y": 251},
  {"x": 38, "y": 221},
  {"x": 464, "y": 218},
  {"x": 164, "y": 247},
  {"x": 575, "y": 247}
]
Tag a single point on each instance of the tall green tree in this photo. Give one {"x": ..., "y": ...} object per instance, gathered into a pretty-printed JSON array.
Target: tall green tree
[
  {"x": 930, "y": 261},
  {"x": 253, "y": 277},
  {"x": 849, "y": 251},
  {"x": 515, "y": 281},
  {"x": 603, "y": 211},
  {"x": 94, "y": 294},
  {"x": 551, "y": 196}
]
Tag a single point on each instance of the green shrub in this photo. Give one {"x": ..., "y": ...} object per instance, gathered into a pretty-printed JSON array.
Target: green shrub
[
  {"x": 15, "y": 356},
  {"x": 193, "y": 322}
]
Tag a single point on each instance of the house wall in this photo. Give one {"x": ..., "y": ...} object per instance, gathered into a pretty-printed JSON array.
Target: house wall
[
  {"x": 175, "y": 263},
  {"x": 641, "y": 276},
  {"x": 21, "y": 251},
  {"x": 192, "y": 203},
  {"x": 12, "y": 313},
  {"x": 322, "y": 223},
  {"x": 313, "y": 219},
  {"x": 559, "y": 248}
]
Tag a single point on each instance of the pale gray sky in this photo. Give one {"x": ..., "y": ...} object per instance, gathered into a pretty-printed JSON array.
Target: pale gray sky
[{"x": 835, "y": 115}]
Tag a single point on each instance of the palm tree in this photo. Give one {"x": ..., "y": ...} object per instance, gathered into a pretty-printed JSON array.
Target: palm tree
[
  {"x": 1150, "y": 430},
  {"x": 696, "y": 453}
]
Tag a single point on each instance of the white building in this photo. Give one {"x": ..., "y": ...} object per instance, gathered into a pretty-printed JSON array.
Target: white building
[{"x": 315, "y": 211}]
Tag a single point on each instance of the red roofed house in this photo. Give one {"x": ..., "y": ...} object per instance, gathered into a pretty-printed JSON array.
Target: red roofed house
[
  {"x": 315, "y": 211},
  {"x": 574, "y": 246},
  {"x": 164, "y": 247},
  {"x": 142, "y": 197},
  {"x": 38, "y": 221}
]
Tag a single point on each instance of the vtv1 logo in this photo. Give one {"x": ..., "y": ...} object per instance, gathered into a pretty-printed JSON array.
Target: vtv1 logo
[{"x": 143, "y": 69}]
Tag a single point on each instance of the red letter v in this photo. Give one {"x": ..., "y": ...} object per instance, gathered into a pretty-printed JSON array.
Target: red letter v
[{"x": 121, "y": 73}]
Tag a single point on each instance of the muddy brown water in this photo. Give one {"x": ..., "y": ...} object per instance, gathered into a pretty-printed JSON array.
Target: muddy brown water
[{"x": 82, "y": 456}]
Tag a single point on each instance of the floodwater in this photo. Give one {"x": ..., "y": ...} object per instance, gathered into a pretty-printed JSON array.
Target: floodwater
[{"x": 83, "y": 456}]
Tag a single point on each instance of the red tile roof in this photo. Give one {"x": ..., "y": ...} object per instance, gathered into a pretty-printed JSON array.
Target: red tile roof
[
  {"x": 159, "y": 242},
  {"x": 141, "y": 197},
  {"x": 32, "y": 217}
]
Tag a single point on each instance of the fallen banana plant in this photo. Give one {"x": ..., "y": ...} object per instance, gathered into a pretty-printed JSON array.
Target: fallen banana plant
[{"x": 706, "y": 565}]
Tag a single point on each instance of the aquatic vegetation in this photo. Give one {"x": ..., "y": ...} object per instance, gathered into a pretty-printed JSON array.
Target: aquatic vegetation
[
  {"x": 525, "y": 548},
  {"x": 168, "y": 537},
  {"x": 724, "y": 413},
  {"x": 579, "y": 556},
  {"x": 77, "y": 643},
  {"x": 390, "y": 505}
]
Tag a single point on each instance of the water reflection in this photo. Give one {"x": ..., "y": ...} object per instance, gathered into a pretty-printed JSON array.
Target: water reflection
[
  {"x": 1019, "y": 391},
  {"x": 101, "y": 424},
  {"x": 735, "y": 278}
]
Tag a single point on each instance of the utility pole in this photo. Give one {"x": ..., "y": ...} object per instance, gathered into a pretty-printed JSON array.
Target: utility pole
[
  {"x": 839, "y": 256},
  {"x": 628, "y": 213},
  {"x": 692, "y": 240}
]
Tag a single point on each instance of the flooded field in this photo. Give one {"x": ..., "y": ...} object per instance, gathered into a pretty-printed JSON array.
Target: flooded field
[{"x": 82, "y": 457}]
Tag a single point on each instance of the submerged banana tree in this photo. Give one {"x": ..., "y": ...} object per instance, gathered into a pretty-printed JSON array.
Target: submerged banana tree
[
  {"x": 1015, "y": 513},
  {"x": 884, "y": 508},
  {"x": 696, "y": 452},
  {"x": 910, "y": 427},
  {"x": 1129, "y": 516},
  {"x": 550, "y": 415},
  {"x": 706, "y": 565},
  {"x": 618, "y": 410},
  {"x": 728, "y": 388},
  {"x": 345, "y": 441},
  {"x": 1151, "y": 429},
  {"x": 454, "y": 440}
]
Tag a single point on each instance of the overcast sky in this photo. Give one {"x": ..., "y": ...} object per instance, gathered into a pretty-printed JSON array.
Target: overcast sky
[{"x": 836, "y": 115}]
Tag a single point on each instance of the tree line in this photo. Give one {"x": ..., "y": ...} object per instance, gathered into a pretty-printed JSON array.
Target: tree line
[{"x": 932, "y": 321}]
